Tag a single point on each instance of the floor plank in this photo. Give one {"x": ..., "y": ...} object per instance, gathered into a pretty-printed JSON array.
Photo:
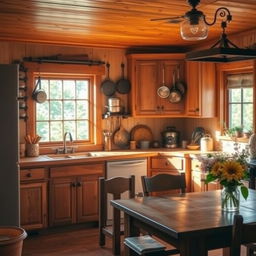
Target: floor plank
[{"x": 79, "y": 241}]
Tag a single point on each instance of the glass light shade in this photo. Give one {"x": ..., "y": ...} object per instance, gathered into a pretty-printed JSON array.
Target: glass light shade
[{"x": 194, "y": 32}]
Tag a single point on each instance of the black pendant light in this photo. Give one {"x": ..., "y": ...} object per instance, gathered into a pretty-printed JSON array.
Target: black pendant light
[{"x": 223, "y": 50}]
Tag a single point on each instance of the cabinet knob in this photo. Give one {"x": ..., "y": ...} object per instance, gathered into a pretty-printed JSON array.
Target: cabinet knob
[
  {"x": 197, "y": 166},
  {"x": 29, "y": 175},
  {"x": 197, "y": 109},
  {"x": 162, "y": 107},
  {"x": 166, "y": 163},
  {"x": 157, "y": 108},
  {"x": 78, "y": 184},
  {"x": 73, "y": 184}
]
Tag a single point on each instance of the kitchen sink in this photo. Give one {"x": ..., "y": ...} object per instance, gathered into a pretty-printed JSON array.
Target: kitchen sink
[{"x": 70, "y": 156}]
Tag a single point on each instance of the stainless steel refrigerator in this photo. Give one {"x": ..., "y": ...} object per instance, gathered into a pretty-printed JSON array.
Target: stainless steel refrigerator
[{"x": 9, "y": 146}]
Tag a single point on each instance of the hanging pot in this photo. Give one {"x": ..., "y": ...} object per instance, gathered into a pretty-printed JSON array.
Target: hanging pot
[
  {"x": 39, "y": 94},
  {"x": 175, "y": 95},
  {"x": 123, "y": 85},
  {"x": 179, "y": 84},
  {"x": 163, "y": 91},
  {"x": 108, "y": 87}
]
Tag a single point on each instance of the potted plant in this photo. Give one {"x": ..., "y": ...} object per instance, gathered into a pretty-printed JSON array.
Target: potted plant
[{"x": 238, "y": 131}]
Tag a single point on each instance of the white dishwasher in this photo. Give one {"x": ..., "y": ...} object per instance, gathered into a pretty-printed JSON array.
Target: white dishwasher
[{"x": 126, "y": 168}]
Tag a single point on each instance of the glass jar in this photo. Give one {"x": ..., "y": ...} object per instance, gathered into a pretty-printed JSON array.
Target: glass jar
[{"x": 230, "y": 199}]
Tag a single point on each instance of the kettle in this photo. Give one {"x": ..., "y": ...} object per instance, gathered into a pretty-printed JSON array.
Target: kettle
[
  {"x": 206, "y": 143},
  {"x": 170, "y": 137}
]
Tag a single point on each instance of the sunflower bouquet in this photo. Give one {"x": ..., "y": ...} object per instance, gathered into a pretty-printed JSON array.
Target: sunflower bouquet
[{"x": 229, "y": 170}]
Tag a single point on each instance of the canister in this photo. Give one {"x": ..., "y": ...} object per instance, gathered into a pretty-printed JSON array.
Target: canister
[{"x": 206, "y": 143}]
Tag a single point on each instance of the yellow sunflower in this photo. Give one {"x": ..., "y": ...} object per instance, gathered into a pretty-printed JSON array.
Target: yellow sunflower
[
  {"x": 217, "y": 169},
  {"x": 232, "y": 170}
]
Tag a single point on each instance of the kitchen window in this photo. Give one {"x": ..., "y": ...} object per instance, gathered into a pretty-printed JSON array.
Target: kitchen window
[
  {"x": 240, "y": 100},
  {"x": 73, "y": 105}
]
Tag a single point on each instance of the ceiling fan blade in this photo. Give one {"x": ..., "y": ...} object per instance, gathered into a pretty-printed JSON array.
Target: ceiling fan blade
[{"x": 169, "y": 18}]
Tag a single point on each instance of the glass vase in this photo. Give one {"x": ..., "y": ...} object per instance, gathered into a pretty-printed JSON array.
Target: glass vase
[{"x": 230, "y": 199}]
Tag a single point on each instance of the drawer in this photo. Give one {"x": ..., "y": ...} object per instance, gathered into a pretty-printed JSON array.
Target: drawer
[
  {"x": 170, "y": 163},
  {"x": 75, "y": 170},
  {"x": 195, "y": 165},
  {"x": 32, "y": 174}
]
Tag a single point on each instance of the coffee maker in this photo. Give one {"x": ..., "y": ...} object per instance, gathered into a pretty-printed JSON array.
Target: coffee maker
[{"x": 170, "y": 137}]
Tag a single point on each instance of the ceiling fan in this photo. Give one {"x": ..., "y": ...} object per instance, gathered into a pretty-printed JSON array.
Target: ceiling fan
[{"x": 193, "y": 15}]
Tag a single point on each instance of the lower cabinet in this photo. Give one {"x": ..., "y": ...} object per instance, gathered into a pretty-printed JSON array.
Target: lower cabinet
[
  {"x": 198, "y": 179},
  {"x": 33, "y": 199},
  {"x": 73, "y": 194},
  {"x": 167, "y": 164}
]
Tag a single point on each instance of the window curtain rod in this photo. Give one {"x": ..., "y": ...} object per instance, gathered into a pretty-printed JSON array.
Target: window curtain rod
[{"x": 81, "y": 62}]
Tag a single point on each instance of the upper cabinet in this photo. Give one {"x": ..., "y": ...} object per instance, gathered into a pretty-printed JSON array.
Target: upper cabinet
[
  {"x": 201, "y": 89},
  {"x": 147, "y": 73}
]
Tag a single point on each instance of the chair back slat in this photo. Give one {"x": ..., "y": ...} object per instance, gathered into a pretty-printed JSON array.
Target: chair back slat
[
  {"x": 162, "y": 182},
  {"x": 241, "y": 234}
]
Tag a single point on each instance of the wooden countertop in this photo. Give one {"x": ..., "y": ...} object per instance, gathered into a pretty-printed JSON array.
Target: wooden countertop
[{"x": 99, "y": 156}]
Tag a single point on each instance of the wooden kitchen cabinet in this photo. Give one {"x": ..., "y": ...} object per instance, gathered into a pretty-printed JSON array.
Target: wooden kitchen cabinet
[
  {"x": 146, "y": 74},
  {"x": 198, "y": 179},
  {"x": 74, "y": 193},
  {"x": 201, "y": 89},
  {"x": 33, "y": 199}
]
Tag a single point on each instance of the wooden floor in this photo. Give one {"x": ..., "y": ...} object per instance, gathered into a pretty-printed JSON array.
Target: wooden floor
[{"x": 74, "y": 242}]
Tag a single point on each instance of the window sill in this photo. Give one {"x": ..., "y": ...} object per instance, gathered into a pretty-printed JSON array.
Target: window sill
[{"x": 235, "y": 139}]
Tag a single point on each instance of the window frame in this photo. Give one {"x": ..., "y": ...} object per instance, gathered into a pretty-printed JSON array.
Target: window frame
[
  {"x": 223, "y": 70},
  {"x": 92, "y": 73}
]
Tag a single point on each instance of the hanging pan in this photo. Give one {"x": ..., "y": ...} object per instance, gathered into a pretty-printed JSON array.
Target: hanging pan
[
  {"x": 39, "y": 94},
  {"x": 175, "y": 95},
  {"x": 123, "y": 85},
  {"x": 163, "y": 91},
  {"x": 108, "y": 87},
  {"x": 179, "y": 84}
]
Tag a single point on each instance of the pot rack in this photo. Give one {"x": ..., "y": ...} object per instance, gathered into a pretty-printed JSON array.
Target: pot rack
[{"x": 56, "y": 59}]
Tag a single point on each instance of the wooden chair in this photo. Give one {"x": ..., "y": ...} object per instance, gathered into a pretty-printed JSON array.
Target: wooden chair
[
  {"x": 163, "y": 182},
  {"x": 242, "y": 234},
  {"x": 115, "y": 186}
]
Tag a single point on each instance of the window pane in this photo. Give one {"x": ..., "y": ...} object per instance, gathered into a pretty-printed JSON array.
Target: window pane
[
  {"x": 42, "y": 111},
  {"x": 56, "y": 110},
  {"x": 42, "y": 129},
  {"x": 82, "y": 110},
  {"x": 55, "y": 89},
  {"x": 56, "y": 131},
  {"x": 234, "y": 115},
  {"x": 68, "y": 89},
  {"x": 234, "y": 95},
  {"x": 70, "y": 126},
  {"x": 248, "y": 116},
  {"x": 82, "y": 130},
  {"x": 82, "y": 89},
  {"x": 247, "y": 94},
  {"x": 69, "y": 110},
  {"x": 45, "y": 86}
]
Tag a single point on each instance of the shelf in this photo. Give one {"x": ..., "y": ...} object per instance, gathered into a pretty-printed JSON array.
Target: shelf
[{"x": 108, "y": 114}]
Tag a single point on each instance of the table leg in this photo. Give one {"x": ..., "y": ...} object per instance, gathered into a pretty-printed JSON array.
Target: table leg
[{"x": 129, "y": 231}]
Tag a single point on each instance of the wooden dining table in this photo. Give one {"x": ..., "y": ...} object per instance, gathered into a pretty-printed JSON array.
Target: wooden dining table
[{"x": 192, "y": 222}]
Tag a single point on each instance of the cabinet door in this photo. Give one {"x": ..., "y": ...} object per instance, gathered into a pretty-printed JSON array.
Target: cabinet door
[
  {"x": 193, "y": 91},
  {"x": 62, "y": 201},
  {"x": 87, "y": 198},
  {"x": 201, "y": 93},
  {"x": 146, "y": 99},
  {"x": 33, "y": 205},
  {"x": 197, "y": 185},
  {"x": 168, "y": 108}
]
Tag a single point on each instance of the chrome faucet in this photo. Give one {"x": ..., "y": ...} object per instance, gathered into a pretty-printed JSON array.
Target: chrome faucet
[{"x": 64, "y": 141}]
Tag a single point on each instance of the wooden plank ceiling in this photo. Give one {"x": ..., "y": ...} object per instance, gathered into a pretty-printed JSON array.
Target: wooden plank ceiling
[{"x": 112, "y": 23}]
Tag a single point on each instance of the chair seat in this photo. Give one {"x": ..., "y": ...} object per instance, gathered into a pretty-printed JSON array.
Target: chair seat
[{"x": 144, "y": 245}]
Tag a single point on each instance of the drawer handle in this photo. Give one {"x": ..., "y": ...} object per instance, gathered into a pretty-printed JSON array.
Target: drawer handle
[
  {"x": 29, "y": 175},
  {"x": 197, "y": 166},
  {"x": 79, "y": 184}
]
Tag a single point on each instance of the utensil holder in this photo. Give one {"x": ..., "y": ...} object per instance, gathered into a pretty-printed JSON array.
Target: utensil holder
[{"x": 33, "y": 149}]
